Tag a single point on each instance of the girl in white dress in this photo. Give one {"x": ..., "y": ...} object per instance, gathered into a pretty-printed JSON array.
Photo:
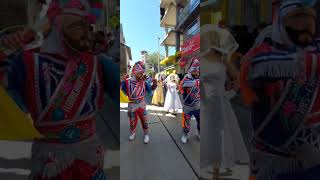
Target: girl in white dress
[
  {"x": 172, "y": 101},
  {"x": 221, "y": 140}
]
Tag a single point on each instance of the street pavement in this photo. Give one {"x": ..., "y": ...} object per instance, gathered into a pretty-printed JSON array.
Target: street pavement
[
  {"x": 165, "y": 157},
  {"x": 15, "y": 156}
]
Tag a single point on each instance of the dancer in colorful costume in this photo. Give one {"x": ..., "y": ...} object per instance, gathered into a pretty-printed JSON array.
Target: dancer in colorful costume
[
  {"x": 136, "y": 89},
  {"x": 190, "y": 88},
  {"x": 62, "y": 86},
  {"x": 280, "y": 81}
]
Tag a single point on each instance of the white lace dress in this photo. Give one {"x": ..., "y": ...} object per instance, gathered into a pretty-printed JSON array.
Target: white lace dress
[
  {"x": 172, "y": 101},
  {"x": 221, "y": 139}
]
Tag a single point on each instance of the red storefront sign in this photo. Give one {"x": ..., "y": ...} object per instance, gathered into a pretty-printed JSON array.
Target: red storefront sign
[{"x": 190, "y": 46}]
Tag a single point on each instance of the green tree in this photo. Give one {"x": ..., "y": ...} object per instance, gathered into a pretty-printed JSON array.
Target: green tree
[{"x": 152, "y": 59}]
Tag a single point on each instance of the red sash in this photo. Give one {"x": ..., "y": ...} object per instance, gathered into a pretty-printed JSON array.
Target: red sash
[
  {"x": 299, "y": 99},
  {"x": 69, "y": 98},
  {"x": 135, "y": 90}
]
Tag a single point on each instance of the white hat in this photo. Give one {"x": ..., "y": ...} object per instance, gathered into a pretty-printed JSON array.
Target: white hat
[{"x": 219, "y": 39}]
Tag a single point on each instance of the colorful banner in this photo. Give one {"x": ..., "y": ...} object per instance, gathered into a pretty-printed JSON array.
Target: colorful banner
[
  {"x": 190, "y": 46},
  {"x": 15, "y": 125}
]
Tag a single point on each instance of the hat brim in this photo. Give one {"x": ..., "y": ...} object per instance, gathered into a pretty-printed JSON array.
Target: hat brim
[{"x": 309, "y": 11}]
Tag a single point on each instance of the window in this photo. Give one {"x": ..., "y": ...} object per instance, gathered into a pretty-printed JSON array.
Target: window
[{"x": 193, "y": 29}]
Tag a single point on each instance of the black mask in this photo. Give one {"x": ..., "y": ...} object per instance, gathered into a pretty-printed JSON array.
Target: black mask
[{"x": 294, "y": 36}]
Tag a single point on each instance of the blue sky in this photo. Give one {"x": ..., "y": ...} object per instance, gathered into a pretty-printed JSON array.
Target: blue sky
[{"x": 141, "y": 26}]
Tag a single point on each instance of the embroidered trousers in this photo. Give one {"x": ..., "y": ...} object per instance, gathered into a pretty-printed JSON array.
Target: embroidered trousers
[
  {"x": 188, "y": 112},
  {"x": 138, "y": 111}
]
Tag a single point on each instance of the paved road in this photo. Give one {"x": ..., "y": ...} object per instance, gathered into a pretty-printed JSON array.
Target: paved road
[
  {"x": 165, "y": 157},
  {"x": 15, "y": 156}
]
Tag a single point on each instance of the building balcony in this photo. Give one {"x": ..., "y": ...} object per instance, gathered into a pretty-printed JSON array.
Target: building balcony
[
  {"x": 171, "y": 39},
  {"x": 166, "y": 3},
  {"x": 169, "y": 19},
  {"x": 125, "y": 58},
  {"x": 125, "y": 53}
]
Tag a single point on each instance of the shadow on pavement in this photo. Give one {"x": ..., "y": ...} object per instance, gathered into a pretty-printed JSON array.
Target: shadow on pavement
[
  {"x": 13, "y": 176},
  {"x": 23, "y": 163},
  {"x": 113, "y": 174}
]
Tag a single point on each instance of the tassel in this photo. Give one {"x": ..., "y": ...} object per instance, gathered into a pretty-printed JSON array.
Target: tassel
[
  {"x": 59, "y": 157},
  {"x": 272, "y": 70},
  {"x": 270, "y": 166}
]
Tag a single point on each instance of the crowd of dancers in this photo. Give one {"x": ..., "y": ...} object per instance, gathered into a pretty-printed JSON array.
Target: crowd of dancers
[{"x": 170, "y": 92}]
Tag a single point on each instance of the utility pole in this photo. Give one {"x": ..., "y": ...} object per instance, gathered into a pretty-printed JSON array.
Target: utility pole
[{"x": 158, "y": 54}]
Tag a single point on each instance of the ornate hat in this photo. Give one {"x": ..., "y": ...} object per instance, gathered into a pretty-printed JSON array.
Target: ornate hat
[
  {"x": 195, "y": 65},
  {"x": 138, "y": 67},
  {"x": 89, "y": 9}
]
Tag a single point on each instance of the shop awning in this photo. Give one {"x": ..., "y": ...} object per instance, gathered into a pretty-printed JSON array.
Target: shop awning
[
  {"x": 167, "y": 60},
  {"x": 171, "y": 59},
  {"x": 169, "y": 19}
]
